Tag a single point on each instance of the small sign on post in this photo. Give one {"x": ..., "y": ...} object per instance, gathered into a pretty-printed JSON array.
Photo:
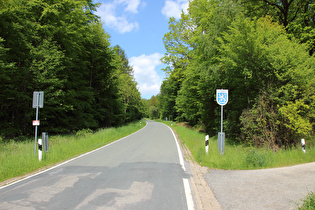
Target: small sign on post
[
  {"x": 36, "y": 122},
  {"x": 222, "y": 97},
  {"x": 38, "y": 99}
]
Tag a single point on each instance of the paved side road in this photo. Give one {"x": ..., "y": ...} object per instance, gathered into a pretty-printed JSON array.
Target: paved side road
[{"x": 277, "y": 188}]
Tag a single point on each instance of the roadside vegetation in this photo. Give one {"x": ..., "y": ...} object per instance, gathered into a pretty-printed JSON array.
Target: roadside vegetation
[
  {"x": 239, "y": 156},
  {"x": 17, "y": 158},
  {"x": 308, "y": 202},
  {"x": 62, "y": 49},
  {"x": 259, "y": 51}
]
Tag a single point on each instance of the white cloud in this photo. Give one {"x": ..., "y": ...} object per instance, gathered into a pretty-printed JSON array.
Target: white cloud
[
  {"x": 108, "y": 14},
  {"x": 145, "y": 73},
  {"x": 174, "y": 8},
  {"x": 132, "y": 5}
]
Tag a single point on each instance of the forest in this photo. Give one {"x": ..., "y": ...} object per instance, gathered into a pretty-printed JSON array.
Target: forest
[
  {"x": 61, "y": 48},
  {"x": 262, "y": 51}
]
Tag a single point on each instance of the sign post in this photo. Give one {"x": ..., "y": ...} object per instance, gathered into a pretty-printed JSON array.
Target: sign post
[
  {"x": 222, "y": 99},
  {"x": 38, "y": 102}
]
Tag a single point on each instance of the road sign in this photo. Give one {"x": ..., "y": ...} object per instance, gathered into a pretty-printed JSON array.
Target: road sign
[
  {"x": 222, "y": 99},
  {"x": 38, "y": 99},
  {"x": 222, "y": 96},
  {"x": 35, "y": 122}
]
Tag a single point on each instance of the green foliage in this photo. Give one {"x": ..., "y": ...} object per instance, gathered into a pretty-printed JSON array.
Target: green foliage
[
  {"x": 127, "y": 87},
  {"x": 169, "y": 91},
  {"x": 153, "y": 109},
  {"x": 308, "y": 202},
  {"x": 260, "y": 124},
  {"x": 295, "y": 118},
  {"x": 188, "y": 105},
  {"x": 295, "y": 15},
  {"x": 269, "y": 74},
  {"x": 61, "y": 48}
]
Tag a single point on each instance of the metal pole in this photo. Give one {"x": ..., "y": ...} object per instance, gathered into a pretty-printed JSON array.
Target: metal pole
[
  {"x": 36, "y": 130},
  {"x": 37, "y": 105},
  {"x": 221, "y": 136},
  {"x": 221, "y": 119}
]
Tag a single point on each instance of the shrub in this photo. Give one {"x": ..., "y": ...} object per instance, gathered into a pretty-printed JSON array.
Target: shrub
[{"x": 259, "y": 124}]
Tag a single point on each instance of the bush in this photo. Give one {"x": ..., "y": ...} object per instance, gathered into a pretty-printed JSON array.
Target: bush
[
  {"x": 272, "y": 125},
  {"x": 259, "y": 124}
]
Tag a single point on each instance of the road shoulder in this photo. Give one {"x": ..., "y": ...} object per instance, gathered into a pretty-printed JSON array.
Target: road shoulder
[{"x": 203, "y": 195}]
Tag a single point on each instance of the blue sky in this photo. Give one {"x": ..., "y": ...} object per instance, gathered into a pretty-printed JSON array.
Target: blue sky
[{"x": 138, "y": 27}]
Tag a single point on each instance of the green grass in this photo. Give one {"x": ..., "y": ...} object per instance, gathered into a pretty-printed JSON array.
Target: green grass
[
  {"x": 308, "y": 202},
  {"x": 17, "y": 158},
  {"x": 239, "y": 156}
]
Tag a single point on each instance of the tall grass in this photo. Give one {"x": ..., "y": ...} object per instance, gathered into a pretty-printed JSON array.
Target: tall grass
[
  {"x": 308, "y": 202},
  {"x": 17, "y": 158},
  {"x": 239, "y": 156}
]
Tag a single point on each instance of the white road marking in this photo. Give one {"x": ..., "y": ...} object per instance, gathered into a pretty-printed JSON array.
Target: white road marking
[
  {"x": 180, "y": 154},
  {"x": 189, "y": 198}
]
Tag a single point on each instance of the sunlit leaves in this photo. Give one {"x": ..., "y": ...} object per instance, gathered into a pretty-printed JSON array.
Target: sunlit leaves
[{"x": 230, "y": 46}]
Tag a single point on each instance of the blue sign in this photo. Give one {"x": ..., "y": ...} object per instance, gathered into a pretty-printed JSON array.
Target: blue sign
[{"x": 222, "y": 97}]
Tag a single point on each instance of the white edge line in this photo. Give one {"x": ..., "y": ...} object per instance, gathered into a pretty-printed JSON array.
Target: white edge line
[
  {"x": 180, "y": 154},
  {"x": 56, "y": 166},
  {"x": 189, "y": 198}
]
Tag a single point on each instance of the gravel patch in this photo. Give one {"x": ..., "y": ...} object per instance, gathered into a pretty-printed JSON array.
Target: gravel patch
[{"x": 276, "y": 188}]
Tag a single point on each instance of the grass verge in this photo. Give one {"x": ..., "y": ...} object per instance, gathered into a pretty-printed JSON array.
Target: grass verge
[
  {"x": 239, "y": 156},
  {"x": 17, "y": 158}
]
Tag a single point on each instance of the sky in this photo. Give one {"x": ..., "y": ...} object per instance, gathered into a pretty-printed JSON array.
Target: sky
[{"x": 138, "y": 27}]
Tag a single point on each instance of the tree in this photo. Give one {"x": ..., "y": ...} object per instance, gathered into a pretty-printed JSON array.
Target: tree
[
  {"x": 128, "y": 90},
  {"x": 253, "y": 59},
  {"x": 61, "y": 48},
  {"x": 297, "y": 16},
  {"x": 153, "y": 107},
  {"x": 226, "y": 49}
]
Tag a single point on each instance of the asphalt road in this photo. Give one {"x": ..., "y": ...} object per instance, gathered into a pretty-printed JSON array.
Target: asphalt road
[{"x": 142, "y": 171}]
